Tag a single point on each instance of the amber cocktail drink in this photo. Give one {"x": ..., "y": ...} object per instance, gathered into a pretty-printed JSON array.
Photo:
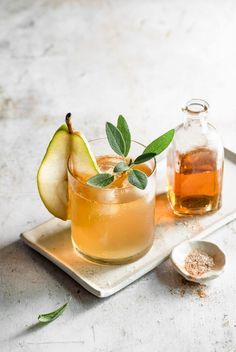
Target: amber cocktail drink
[{"x": 114, "y": 224}]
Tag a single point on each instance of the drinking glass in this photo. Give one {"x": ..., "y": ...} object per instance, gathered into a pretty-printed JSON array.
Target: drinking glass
[{"x": 113, "y": 225}]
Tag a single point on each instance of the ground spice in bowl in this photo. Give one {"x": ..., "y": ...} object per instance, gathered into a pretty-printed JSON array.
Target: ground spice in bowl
[{"x": 198, "y": 263}]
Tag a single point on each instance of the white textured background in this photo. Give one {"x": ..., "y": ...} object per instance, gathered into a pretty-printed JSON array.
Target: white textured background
[{"x": 98, "y": 59}]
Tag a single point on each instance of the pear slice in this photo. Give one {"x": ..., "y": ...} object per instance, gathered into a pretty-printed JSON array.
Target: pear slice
[
  {"x": 83, "y": 161},
  {"x": 52, "y": 174}
]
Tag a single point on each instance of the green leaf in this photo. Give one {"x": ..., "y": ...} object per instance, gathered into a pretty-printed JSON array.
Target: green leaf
[
  {"x": 115, "y": 139},
  {"x": 121, "y": 166},
  {"x": 124, "y": 130},
  {"x": 161, "y": 143},
  {"x": 144, "y": 157},
  {"x": 138, "y": 179},
  {"x": 100, "y": 180},
  {"x": 48, "y": 317}
]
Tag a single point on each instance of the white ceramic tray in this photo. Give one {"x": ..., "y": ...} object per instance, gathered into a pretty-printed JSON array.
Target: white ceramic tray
[{"x": 52, "y": 239}]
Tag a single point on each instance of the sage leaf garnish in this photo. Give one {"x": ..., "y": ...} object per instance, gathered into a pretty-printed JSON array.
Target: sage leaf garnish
[
  {"x": 119, "y": 139},
  {"x": 115, "y": 139},
  {"x": 143, "y": 158},
  {"x": 48, "y": 317},
  {"x": 161, "y": 143},
  {"x": 100, "y": 180},
  {"x": 124, "y": 130},
  {"x": 138, "y": 179},
  {"x": 120, "y": 167}
]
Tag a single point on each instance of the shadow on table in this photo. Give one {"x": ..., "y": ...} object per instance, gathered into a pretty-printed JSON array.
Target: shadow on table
[
  {"x": 176, "y": 284},
  {"x": 21, "y": 271},
  {"x": 167, "y": 275},
  {"x": 19, "y": 262}
]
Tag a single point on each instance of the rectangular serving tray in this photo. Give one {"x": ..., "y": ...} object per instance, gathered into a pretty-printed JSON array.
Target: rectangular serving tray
[{"x": 52, "y": 239}]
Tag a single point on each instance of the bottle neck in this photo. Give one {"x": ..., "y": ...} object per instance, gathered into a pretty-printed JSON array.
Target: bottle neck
[
  {"x": 195, "y": 114},
  {"x": 196, "y": 121}
]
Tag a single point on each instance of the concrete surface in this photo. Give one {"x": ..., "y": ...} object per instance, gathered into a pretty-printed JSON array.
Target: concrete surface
[{"x": 98, "y": 59}]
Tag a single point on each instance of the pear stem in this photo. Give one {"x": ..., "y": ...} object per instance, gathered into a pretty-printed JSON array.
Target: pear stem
[{"x": 69, "y": 123}]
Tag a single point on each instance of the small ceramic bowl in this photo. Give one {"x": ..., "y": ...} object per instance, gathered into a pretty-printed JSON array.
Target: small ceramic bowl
[{"x": 180, "y": 252}]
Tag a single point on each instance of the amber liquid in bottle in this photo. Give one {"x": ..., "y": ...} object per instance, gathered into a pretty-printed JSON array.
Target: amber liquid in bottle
[{"x": 197, "y": 185}]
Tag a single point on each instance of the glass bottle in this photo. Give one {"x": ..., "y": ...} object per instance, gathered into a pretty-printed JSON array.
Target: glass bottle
[{"x": 195, "y": 163}]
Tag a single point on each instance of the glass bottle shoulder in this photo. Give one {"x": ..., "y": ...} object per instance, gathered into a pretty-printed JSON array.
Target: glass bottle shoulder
[{"x": 192, "y": 136}]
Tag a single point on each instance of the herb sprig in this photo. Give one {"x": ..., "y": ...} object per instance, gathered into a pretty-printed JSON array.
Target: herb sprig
[
  {"x": 119, "y": 138},
  {"x": 48, "y": 317}
]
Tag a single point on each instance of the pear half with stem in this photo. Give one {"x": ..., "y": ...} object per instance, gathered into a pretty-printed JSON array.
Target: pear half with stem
[{"x": 52, "y": 174}]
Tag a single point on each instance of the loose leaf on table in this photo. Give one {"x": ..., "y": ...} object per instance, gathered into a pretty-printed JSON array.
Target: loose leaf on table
[
  {"x": 121, "y": 166},
  {"x": 115, "y": 139},
  {"x": 144, "y": 157},
  {"x": 124, "y": 130},
  {"x": 138, "y": 179},
  {"x": 161, "y": 143},
  {"x": 48, "y": 317},
  {"x": 100, "y": 180}
]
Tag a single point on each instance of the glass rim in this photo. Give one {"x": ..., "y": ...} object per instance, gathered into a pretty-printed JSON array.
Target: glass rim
[{"x": 108, "y": 189}]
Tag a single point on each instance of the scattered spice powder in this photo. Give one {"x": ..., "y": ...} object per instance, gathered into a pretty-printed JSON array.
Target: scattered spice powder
[
  {"x": 201, "y": 291},
  {"x": 198, "y": 263},
  {"x": 188, "y": 287},
  {"x": 194, "y": 287}
]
